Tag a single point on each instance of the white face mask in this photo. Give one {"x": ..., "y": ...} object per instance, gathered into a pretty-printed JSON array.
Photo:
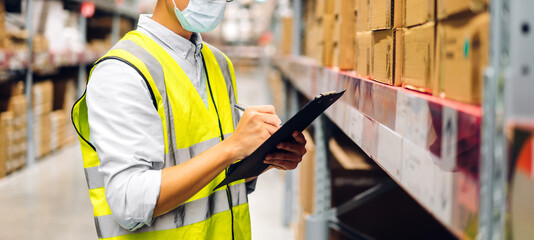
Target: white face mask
[{"x": 201, "y": 15}]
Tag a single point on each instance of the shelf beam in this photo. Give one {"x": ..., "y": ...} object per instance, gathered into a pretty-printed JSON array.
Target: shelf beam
[
  {"x": 364, "y": 197},
  {"x": 82, "y": 72},
  {"x": 30, "y": 147}
]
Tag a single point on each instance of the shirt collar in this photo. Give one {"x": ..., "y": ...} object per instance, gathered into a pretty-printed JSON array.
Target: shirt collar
[{"x": 175, "y": 42}]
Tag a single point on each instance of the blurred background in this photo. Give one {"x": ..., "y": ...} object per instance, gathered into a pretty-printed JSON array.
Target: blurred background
[{"x": 433, "y": 138}]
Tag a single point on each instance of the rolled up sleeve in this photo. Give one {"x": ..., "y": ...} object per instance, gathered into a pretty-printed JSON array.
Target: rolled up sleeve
[{"x": 128, "y": 136}]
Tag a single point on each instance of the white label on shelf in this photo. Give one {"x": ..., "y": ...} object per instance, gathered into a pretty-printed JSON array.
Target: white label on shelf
[
  {"x": 443, "y": 185},
  {"x": 308, "y": 85},
  {"x": 340, "y": 114},
  {"x": 332, "y": 81},
  {"x": 412, "y": 118},
  {"x": 355, "y": 126},
  {"x": 325, "y": 79},
  {"x": 418, "y": 173},
  {"x": 346, "y": 117},
  {"x": 449, "y": 139},
  {"x": 390, "y": 151}
]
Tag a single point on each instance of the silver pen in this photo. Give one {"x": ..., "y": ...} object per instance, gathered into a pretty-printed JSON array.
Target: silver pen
[{"x": 240, "y": 107}]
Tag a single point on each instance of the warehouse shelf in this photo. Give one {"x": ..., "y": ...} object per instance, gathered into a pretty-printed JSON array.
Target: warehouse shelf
[
  {"x": 52, "y": 68},
  {"x": 14, "y": 63},
  {"x": 430, "y": 146},
  {"x": 127, "y": 9}
]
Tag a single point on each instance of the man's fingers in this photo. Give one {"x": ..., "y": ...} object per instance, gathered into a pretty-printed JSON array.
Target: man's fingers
[
  {"x": 299, "y": 137},
  {"x": 271, "y": 119},
  {"x": 283, "y": 165},
  {"x": 271, "y": 129},
  {"x": 283, "y": 156},
  {"x": 297, "y": 148},
  {"x": 263, "y": 109}
]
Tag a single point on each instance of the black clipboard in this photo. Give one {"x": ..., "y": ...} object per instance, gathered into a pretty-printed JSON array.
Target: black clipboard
[{"x": 253, "y": 165}]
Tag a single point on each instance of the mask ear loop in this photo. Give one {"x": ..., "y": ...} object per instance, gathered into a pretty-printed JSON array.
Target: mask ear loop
[{"x": 173, "y": 3}]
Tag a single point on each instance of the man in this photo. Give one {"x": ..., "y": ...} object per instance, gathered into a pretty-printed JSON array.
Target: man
[{"x": 158, "y": 132}]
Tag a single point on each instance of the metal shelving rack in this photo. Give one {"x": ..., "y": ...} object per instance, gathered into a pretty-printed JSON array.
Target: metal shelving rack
[
  {"x": 453, "y": 156},
  {"x": 125, "y": 10}
]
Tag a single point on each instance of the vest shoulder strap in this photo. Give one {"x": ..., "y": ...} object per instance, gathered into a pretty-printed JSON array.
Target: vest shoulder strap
[
  {"x": 227, "y": 69},
  {"x": 152, "y": 96}
]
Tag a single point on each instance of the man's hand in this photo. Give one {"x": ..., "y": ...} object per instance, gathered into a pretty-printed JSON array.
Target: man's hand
[
  {"x": 291, "y": 157},
  {"x": 257, "y": 124}
]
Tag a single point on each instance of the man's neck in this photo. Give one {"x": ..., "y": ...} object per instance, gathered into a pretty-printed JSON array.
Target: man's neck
[{"x": 168, "y": 19}]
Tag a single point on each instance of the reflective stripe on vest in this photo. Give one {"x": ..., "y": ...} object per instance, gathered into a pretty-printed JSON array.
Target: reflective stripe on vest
[
  {"x": 187, "y": 133},
  {"x": 190, "y": 212}
]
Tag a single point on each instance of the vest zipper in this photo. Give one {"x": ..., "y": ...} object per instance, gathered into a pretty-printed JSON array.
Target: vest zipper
[{"x": 228, "y": 193}]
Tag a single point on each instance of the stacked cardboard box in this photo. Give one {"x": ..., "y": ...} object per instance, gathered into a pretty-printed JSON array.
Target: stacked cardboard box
[
  {"x": 13, "y": 130},
  {"x": 418, "y": 58},
  {"x": 42, "y": 104},
  {"x": 313, "y": 36},
  {"x": 364, "y": 45},
  {"x": 344, "y": 34},
  {"x": 319, "y": 36},
  {"x": 3, "y": 32},
  {"x": 325, "y": 12},
  {"x": 364, "y": 39},
  {"x": 328, "y": 24},
  {"x": 6, "y": 129},
  {"x": 462, "y": 49},
  {"x": 58, "y": 122},
  {"x": 445, "y": 47},
  {"x": 68, "y": 101},
  {"x": 64, "y": 99},
  {"x": 385, "y": 21},
  {"x": 418, "y": 37},
  {"x": 433, "y": 46},
  {"x": 18, "y": 106},
  {"x": 287, "y": 35},
  {"x": 450, "y": 8}
]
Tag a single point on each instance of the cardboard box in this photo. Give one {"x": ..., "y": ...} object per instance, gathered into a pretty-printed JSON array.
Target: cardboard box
[
  {"x": 42, "y": 97},
  {"x": 287, "y": 37},
  {"x": 462, "y": 48},
  {"x": 68, "y": 101},
  {"x": 364, "y": 46},
  {"x": 363, "y": 20},
  {"x": 306, "y": 176},
  {"x": 18, "y": 105},
  {"x": 58, "y": 121},
  {"x": 314, "y": 38},
  {"x": 447, "y": 8},
  {"x": 12, "y": 144},
  {"x": 417, "y": 12},
  {"x": 5, "y": 128},
  {"x": 386, "y": 14},
  {"x": 386, "y": 63},
  {"x": 3, "y": 31},
  {"x": 41, "y": 135},
  {"x": 418, "y": 57},
  {"x": 324, "y": 7},
  {"x": 328, "y": 42},
  {"x": 344, "y": 42}
]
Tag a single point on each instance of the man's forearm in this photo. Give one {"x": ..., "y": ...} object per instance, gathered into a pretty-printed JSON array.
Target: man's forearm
[{"x": 181, "y": 182}]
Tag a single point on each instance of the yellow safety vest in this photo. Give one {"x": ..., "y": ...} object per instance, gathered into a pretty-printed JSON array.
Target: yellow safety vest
[{"x": 189, "y": 129}]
